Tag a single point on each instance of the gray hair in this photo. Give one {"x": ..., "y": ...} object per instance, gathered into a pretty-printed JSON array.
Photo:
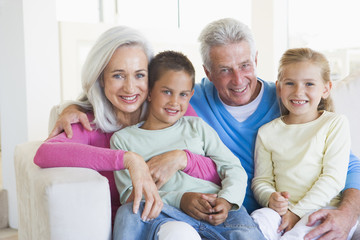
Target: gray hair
[
  {"x": 93, "y": 96},
  {"x": 221, "y": 32}
]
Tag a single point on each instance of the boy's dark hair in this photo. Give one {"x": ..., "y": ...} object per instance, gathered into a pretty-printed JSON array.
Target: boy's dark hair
[{"x": 169, "y": 60}]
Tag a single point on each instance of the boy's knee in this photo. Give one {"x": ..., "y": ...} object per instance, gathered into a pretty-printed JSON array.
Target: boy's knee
[
  {"x": 176, "y": 230},
  {"x": 125, "y": 213}
]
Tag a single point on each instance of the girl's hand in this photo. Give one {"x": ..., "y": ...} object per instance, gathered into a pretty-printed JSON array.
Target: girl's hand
[
  {"x": 71, "y": 114},
  {"x": 164, "y": 166},
  {"x": 143, "y": 185},
  {"x": 279, "y": 202},
  {"x": 288, "y": 221}
]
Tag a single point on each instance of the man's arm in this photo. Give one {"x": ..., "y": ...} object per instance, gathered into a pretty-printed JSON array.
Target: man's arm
[{"x": 337, "y": 223}]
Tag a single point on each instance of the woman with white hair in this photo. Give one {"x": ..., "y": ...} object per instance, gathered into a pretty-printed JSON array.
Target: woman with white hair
[{"x": 115, "y": 87}]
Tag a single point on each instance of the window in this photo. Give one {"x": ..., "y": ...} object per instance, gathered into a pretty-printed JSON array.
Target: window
[
  {"x": 328, "y": 26},
  {"x": 86, "y": 11},
  {"x": 168, "y": 24}
]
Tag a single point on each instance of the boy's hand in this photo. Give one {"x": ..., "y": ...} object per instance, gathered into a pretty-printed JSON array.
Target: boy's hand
[
  {"x": 196, "y": 205},
  {"x": 288, "y": 221},
  {"x": 279, "y": 202},
  {"x": 221, "y": 208}
]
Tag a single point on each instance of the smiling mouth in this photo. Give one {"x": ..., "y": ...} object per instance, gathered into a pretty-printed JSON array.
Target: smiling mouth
[
  {"x": 298, "y": 101},
  {"x": 171, "y": 111},
  {"x": 129, "y": 99},
  {"x": 239, "y": 90}
]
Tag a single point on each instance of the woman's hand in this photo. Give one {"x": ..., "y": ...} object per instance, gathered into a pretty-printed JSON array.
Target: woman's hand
[
  {"x": 164, "y": 166},
  {"x": 143, "y": 185},
  {"x": 279, "y": 202},
  {"x": 71, "y": 114}
]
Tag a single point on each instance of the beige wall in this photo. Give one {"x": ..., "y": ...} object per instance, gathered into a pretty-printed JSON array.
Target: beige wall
[{"x": 29, "y": 80}]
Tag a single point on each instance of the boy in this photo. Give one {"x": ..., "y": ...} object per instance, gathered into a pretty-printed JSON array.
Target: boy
[{"x": 171, "y": 83}]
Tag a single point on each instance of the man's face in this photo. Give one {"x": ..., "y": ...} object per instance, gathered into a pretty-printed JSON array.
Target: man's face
[{"x": 233, "y": 73}]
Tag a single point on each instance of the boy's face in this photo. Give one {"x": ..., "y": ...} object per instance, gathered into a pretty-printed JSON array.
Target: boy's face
[{"x": 169, "y": 99}]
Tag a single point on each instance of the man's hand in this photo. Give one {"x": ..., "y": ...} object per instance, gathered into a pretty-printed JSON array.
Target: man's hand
[
  {"x": 336, "y": 223},
  {"x": 71, "y": 114},
  {"x": 197, "y": 205},
  {"x": 288, "y": 221},
  {"x": 279, "y": 202},
  {"x": 164, "y": 166}
]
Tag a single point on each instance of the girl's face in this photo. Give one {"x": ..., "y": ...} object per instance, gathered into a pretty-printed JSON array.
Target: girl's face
[
  {"x": 125, "y": 79},
  {"x": 169, "y": 99},
  {"x": 301, "y": 89}
]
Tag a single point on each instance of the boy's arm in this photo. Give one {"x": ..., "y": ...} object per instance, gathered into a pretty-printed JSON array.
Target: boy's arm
[
  {"x": 164, "y": 166},
  {"x": 233, "y": 175}
]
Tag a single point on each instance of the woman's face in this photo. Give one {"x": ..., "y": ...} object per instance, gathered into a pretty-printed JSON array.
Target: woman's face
[{"x": 125, "y": 79}]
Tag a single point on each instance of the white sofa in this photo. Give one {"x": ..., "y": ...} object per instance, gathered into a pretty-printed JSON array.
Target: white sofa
[{"x": 74, "y": 203}]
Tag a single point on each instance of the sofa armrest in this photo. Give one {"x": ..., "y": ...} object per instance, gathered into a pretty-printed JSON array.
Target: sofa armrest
[{"x": 60, "y": 203}]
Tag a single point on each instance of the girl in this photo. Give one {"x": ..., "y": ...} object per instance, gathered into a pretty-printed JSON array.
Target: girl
[{"x": 301, "y": 157}]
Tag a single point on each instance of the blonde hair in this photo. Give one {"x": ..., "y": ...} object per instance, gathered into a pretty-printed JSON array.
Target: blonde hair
[
  {"x": 296, "y": 55},
  {"x": 93, "y": 97}
]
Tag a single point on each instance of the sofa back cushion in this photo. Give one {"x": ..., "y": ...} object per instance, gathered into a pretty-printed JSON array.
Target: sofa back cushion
[{"x": 346, "y": 96}]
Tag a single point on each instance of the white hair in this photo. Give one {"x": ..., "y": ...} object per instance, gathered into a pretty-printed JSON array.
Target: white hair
[
  {"x": 93, "y": 97},
  {"x": 221, "y": 32}
]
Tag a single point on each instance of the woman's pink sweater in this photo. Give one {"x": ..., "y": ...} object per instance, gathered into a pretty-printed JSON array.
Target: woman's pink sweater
[{"x": 91, "y": 149}]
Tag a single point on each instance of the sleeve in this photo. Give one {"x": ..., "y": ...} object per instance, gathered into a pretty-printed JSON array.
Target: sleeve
[
  {"x": 263, "y": 183},
  {"x": 190, "y": 111},
  {"x": 233, "y": 175},
  {"x": 353, "y": 174},
  {"x": 172, "y": 198},
  {"x": 333, "y": 176},
  {"x": 202, "y": 167},
  {"x": 61, "y": 151},
  {"x": 122, "y": 177}
]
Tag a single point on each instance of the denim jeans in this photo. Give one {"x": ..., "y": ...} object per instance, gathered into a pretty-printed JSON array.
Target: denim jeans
[{"x": 238, "y": 225}]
